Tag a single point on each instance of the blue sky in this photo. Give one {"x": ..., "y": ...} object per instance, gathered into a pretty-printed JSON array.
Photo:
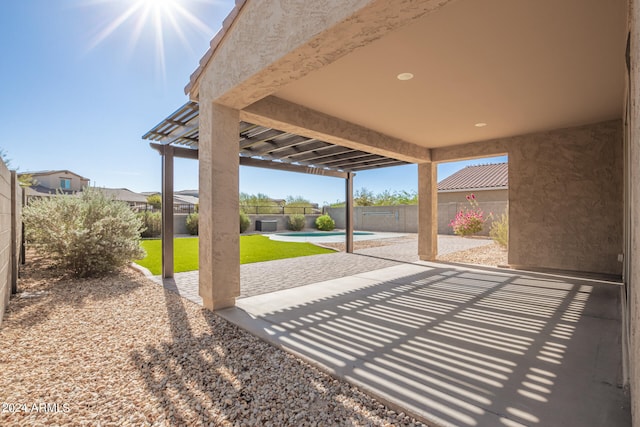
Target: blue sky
[{"x": 83, "y": 80}]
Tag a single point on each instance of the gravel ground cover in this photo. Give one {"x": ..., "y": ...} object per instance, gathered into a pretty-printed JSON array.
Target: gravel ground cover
[
  {"x": 122, "y": 351},
  {"x": 492, "y": 255}
]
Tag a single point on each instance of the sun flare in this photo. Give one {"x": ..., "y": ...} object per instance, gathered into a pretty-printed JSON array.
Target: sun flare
[{"x": 159, "y": 18}]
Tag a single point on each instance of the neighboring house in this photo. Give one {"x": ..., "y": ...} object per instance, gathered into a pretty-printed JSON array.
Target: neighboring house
[
  {"x": 184, "y": 203},
  {"x": 490, "y": 185},
  {"x": 50, "y": 182},
  {"x": 193, "y": 193},
  {"x": 136, "y": 201}
]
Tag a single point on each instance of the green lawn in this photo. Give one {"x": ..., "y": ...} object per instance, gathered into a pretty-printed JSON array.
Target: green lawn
[{"x": 255, "y": 248}]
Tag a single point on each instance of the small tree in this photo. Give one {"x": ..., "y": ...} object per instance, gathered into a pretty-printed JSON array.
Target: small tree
[
  {"x": 245, "y": 222},
  {"x": 363, "y": 197},
  {"x": 296, "y": 222},
  {"x": 26, "y": 180},
  {"x": 155, "y": 200},
  {"x": 87, "y": 234},
  {"x": 325, "y": 223},
  {"x": 151, "y": 224},
  {"x": 468, "y": 221},
  {"x": 500, "y": 231},
  {"x": 297, "y": 205},
  {"x": 192, "y": 224}
]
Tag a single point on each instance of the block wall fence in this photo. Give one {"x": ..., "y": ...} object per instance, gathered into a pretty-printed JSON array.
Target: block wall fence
[
  {"x": 404, "y": 218},
  {"x": 10, "y": 234}
]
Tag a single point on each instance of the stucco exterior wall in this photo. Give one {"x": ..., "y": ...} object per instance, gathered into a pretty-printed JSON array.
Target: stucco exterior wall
[
  {"x": 53, "y": 181},
  {"x": 566, "y": 199},
  {"x": 565, "y": 195},
  {"x": 284, "y": 41},
  {"x": 634, "y": 183}
]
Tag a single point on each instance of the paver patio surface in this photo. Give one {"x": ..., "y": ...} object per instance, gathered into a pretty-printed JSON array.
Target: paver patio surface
[{"x": 264, "y": 277}]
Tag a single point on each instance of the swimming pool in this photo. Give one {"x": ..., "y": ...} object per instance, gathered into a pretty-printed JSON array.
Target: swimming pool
[{"x": 323, "y": 233}]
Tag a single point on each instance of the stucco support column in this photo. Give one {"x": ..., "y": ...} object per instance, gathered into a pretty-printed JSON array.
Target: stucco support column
[
  {"x": 219, "y": 209},
  {"x": 634, "y": 211},
  {"x": 349, "y": 212},
  {"x": 427, "y": 211},
  {"x": 167, "y": 212}
]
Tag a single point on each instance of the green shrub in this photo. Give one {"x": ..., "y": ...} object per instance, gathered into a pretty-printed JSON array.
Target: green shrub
[
  {"x": 296, "y": 222},
  {"x": 244, "y": 222},
  {"x": 192, "y": 224},
  {"x": 151, "y": 224},
  {"x": 87, "y": 234},
  {"x": 325, "y": 223},
  {"x": 500, "y": 231}
]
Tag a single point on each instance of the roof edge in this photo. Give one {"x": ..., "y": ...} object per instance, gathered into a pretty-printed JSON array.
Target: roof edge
[
  {"x": 193, "y": 87},
  {"x": 51, "y": 172}
]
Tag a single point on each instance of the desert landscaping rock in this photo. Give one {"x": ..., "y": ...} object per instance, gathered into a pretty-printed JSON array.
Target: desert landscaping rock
[
  {"x": 491, "y": 255},
  {"x": 122, "y": 351}
]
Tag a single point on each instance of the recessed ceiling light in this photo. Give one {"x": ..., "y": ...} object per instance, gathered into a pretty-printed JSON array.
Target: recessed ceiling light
[
  {"x": 405, "y": 76},
  {"x": 480, "y": 125}
]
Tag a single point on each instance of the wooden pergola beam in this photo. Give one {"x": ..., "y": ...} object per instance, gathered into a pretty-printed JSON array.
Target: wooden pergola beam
[
  {"x": 183, "y": 153},
  {"x": 287, "y": 167}
]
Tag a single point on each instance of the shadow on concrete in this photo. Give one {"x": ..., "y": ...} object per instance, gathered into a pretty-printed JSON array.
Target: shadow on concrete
[{"x": 464, "y": 347}]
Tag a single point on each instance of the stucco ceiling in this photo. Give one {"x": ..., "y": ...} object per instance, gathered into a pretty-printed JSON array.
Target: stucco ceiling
[{"x": 520, "y": 66}]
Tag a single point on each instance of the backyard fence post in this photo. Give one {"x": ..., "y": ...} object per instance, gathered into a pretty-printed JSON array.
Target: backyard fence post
[
  {"x": 349, "y": 212},
  {"x": 23, "y": 240},
  {"x": 167, "y": 211},
  {"x": 16, "y": 221}
]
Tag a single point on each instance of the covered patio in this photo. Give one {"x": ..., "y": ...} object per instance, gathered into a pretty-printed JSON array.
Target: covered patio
[
  {"x": 448, "y": 344},
  {"x": 552, "y": 85}
]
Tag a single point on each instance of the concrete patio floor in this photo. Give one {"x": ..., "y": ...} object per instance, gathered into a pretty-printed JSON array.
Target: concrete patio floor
[
  {"x": 459, "y": 347},
  {"x": 450, "y": 345}
]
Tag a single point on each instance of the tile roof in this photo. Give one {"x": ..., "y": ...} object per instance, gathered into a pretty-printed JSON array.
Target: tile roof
[{"x": 479, "y": 177}]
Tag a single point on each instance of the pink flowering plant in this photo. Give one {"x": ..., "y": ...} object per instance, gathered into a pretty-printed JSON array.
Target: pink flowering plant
[{"x": 468, "y": 221}]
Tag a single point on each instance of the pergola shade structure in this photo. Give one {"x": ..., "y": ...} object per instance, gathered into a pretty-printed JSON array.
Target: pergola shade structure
[
  {"x": 181, "y": 129},
  {"x": 259, "y": 146}
]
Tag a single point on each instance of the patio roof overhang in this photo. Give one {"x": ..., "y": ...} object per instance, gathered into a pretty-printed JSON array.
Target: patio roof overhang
[{"x": 261, "y": 146}]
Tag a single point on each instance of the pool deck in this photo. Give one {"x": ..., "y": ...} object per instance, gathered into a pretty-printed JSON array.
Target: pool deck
[
  {"x": 450, "y": 345},
  {"x": 333, "y": 239}
]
